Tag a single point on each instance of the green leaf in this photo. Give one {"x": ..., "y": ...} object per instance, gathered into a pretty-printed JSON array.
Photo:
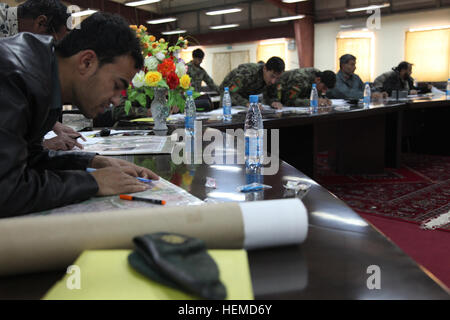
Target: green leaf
[
  {"x": 180, "y": 102},
  {"x": 163, "y": 84},
  {"x": 127, "y": 106},
  {"x": 195, "y": 94},
  {"x": 149, "y": 92},
  {"x": 132, "y": 95},
  {"x": 141, "y": 98}
]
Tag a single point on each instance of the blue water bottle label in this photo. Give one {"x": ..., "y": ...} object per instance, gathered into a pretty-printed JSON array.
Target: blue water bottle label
[
  {"x": 251, "y": 147},
  {"x": 189, "y": 122}
]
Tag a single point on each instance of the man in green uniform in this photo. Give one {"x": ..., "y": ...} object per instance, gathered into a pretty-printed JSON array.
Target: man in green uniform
[
  {"x": 198, "y": 74},
  {"x": 252, "y": 79},
  {"x": 294, "y": 87}
]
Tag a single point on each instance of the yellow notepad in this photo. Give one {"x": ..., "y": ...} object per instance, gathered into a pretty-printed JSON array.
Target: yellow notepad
[{"x": 106, "y": 274}]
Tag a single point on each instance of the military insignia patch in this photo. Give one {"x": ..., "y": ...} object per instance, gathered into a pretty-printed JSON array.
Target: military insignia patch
[{"x": 173, "y": 239}]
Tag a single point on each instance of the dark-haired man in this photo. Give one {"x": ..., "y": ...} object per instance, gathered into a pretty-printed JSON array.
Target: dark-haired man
[
  {"x": 41, "y": 17},
  {"x": 197, "y": 73},
  {"x": 252, "y": 79},
  {"x": 294, "y": 87},
  {"x": 88, "y": 68},
  {"x": 399, "y": 79}
]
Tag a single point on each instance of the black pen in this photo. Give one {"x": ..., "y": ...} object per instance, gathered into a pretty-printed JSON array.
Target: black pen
[{"x": 132, "y": 198}]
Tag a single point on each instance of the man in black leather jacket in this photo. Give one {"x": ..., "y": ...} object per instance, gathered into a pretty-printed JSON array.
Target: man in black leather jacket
[{"x": 88, "y": 68}]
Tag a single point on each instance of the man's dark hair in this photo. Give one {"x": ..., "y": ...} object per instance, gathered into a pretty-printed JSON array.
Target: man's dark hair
[
  {"x": 198, "y": 53},
  {"x": 275, "y": 64},
  {"x": 54, "y": 10},
  {"x": 403, "y": 66},
  {"x": 346, "y": 58},
  {"x": 108, "y": 35},
  {"x": 328, "y": 77}
]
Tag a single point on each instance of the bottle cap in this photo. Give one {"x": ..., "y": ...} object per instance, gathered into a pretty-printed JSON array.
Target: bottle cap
[
  {"x": 314, "y": 85},
  {"x": 189, "y": 92},
  {"x": 226, "y": 89},
  {"x": 253, "y": 99}
]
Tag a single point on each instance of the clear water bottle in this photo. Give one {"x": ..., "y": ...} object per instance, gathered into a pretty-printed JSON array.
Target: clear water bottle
[
  {"x": 189, "y": 111},
  {"x": 226, "y": 105},
  {"x": 447, "y": 92},
  {"x": 314, "y": 100},
  {"x": 254, "y": 134},
  {"x": 367, "y": 95}
]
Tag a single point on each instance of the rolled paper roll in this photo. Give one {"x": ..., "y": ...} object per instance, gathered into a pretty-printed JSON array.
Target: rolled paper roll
[{"x": 53, "y": 242}]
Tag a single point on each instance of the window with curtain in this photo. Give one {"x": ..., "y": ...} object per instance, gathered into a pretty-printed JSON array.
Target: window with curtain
[
  {"x": 429, "y": 51},
  {"x": 361, "y": 46},
  {"x": 269, "y": 49}
]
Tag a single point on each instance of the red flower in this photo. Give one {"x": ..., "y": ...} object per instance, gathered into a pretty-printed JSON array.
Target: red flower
[
  {"x": 166, "y": 67},
  {"x": 172, "y": 80},
  {"x": 123, "y": 93}
]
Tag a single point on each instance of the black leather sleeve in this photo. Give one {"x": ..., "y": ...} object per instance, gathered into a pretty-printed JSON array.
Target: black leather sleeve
[{"x": 26, "y": 183}]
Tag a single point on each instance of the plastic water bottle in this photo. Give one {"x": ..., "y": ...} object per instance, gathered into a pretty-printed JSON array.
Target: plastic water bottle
[
  {"x": 226, "y": 105},
  {"x": 254, "y": 134},
  {"x": 367, "y": 95},
  {"x": 314, "y": 100},
  {"x": 447, "y": 92},
  {"x": 189, "y": 111}
]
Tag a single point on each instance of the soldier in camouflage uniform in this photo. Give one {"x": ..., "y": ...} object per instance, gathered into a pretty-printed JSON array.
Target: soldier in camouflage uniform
[
  {"x": 252, "y": 79},
  {"x": 294, "y": 87},
  {"x": 198, "y": 74}
]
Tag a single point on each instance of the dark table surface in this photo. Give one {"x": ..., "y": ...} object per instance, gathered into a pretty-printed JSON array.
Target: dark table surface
[{"x": 332, "y": 263}]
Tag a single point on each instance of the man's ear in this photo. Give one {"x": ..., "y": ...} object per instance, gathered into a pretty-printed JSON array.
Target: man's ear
[
  {"x": 40, "y": 25},
  {"x": 87, "y": 62}
]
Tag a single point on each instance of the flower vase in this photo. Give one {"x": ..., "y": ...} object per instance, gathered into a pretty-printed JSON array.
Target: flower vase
[{"x": 159, "y": 109}]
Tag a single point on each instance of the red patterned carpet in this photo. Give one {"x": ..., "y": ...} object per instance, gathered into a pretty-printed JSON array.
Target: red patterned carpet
[
  {"x": 398, "y": 201},
  {"x": 416, "y": 192}
]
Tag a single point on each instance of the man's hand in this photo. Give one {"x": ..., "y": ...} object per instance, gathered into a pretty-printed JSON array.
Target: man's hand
[
  {"x": 61, "y": 142},
  {"x": 379, "y": 95},
  {"x": 277, "y": 105},
  {"x": 324, "y": 102},
  {"x": 112, "y": 180},
  {"x": 125, "y": 166},
  {"x": 413, "y": 92}
]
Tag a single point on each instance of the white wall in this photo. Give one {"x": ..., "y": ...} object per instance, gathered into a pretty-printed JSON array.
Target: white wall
[{"x": 389, "y": 39}]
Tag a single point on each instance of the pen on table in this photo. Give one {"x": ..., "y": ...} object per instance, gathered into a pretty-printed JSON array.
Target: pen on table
[
  {"x": 139, "y": 178},
  {"x": 133, "y": 198}
]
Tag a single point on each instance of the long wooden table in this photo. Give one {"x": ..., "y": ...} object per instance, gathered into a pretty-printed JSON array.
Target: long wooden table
[{"x": 333, "y": 263}]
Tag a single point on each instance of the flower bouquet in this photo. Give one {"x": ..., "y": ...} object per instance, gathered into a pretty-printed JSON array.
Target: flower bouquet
[{"x": 162, "y": 69}]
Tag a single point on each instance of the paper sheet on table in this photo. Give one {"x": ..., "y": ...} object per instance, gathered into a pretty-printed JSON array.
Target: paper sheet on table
[
  {"x": 436, "y": 91},
  {"x": 159, "y": 189},
  {"x": 285, "y": 109},
  {"x": 122, "y": 145},
  {"x": 53, "y": 242},
  {"x": 106, "y": 275}
]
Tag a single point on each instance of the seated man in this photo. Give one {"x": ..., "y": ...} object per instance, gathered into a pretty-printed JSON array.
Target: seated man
[
  {"x": 348, "y": 84},
  {"x": 400, "y": 79},
  {"x": 41, "y": 17},
  {"x": 88, "y": 68},
  {"x": 252, "y": 79},
  {"x": 294, "y": 87}
]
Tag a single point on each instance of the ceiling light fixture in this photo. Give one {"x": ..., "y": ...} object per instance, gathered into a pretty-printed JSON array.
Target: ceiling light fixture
[
  {"x": 301, "y": 16},
  {"x": 372, "y": 7},
  {"x": 163, "y": 20},
  {"x": 429, "y": 28},
  {"x": 224, "y": 26},
  {"x": 225, "y": 11},
  {"x": 86, "y": 12},
  {"x": 173, "y": 32},
  {"x": 140, "y": 3},
  {"x": 293, "y": 1}
]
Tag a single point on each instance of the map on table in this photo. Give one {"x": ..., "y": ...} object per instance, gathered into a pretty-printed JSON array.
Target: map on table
[{"x": 160, "y": 189}]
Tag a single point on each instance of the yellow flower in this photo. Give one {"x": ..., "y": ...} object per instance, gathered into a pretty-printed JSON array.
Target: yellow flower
[
  {"x": 133, "y": 26},
  {"x": 152, "y": 78},
  {"x": 185, "y": 81},
  {"x": 162, "y": 40},
  {"x": 142, "y": 27},
  {"x": 152, "y": 38},
  {"x": 180, "y": 38}
]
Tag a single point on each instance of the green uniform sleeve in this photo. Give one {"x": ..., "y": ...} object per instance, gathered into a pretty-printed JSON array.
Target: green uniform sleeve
[{"x": 210, "y": 82}]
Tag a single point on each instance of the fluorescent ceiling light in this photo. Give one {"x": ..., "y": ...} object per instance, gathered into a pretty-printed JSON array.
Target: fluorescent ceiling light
[
  {"x": 293, "y": 1},
  {"x": 163, "y": 20},
  {"x": 173, "y": 32},
  {"x": 225, "y": 11},
  {"x": 287, "y": 18},
  {"x": 83, "y": 13},
  {"x": 372, "y": 7},
  {"x": 429, "y": 28},
  {"x": 140, "y": 3},
  {"x": 224, "y": 26}
]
